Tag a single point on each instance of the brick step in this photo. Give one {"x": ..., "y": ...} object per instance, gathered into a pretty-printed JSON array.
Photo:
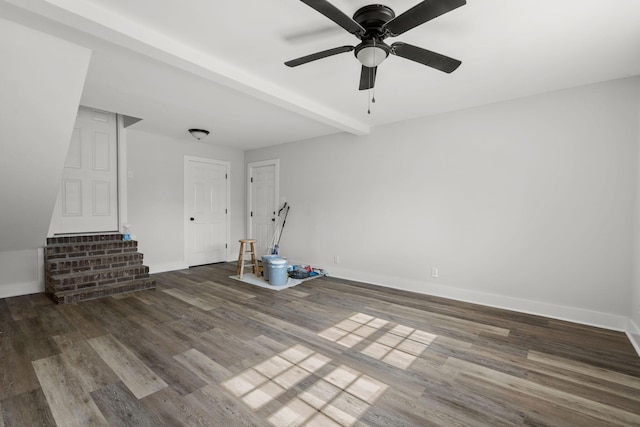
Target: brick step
[
  {"x": 85, "y": 294},
  {"x": 100, "y": 262},
  {"x": 73, "y": 250},
  {"x": 63, "y": 282},
  {"x": 61, "y": 240}
]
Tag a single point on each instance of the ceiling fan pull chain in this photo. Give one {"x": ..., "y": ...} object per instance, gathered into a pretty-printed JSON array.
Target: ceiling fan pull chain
[
  {"x": 373, "y": 90},
  {"x": 369, "y": 94}
]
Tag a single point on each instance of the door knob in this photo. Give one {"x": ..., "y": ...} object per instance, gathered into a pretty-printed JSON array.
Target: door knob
[{"x": 192, "y": 219}]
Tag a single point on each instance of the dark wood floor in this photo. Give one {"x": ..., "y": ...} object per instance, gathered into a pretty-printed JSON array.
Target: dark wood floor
[{"x": 206, "y": 350}]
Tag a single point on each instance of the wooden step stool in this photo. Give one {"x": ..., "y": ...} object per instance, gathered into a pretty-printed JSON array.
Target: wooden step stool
[{"x": 241, "y": 261}]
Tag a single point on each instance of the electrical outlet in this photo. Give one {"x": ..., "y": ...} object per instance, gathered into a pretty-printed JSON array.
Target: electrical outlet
[
  {"x": 336, "y": 259},
  {"x": 434, "y": 272}
]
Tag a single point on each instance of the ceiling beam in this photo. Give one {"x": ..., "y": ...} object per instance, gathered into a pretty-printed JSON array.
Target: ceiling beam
[{"x": 122, "y": 31}]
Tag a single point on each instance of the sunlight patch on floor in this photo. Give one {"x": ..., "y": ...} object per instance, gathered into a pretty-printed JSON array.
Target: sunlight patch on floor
[
  {"x": 400, "y": 346},
  {"x": 339, "y": 398}
]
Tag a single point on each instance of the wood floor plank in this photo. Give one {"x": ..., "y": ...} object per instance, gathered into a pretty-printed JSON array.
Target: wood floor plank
[
  {"x": 207, "y": 350},
  {"x": 17, "y": 375},
  {"x": 20, "y": 308},
  {"x": 121, "y": 408},
  {"x": 141, "y": 380},
  {"x": 34, "y": 335},
  {"x": 203, "y": 366},
  {"x": 173, "y": 410},
  {"x": 52, "y": 322},
  {"x": 583, "y": 368},
  {"x": 70, "y": 403},
  {"x": 5, "y": 313},
  {"x": 225, "y": 409},
  {"x": 443, "y": 321},
  {"x": 190, "y": 299},
  {"x": 520, "y": 385},
  {"x": 222, "y": 291},
  {"x": 87, "y": 325},
  {"x": 26, "y": 409},
  {"x": 86, "y": 363},
  {"x": 160, "y": 360}
]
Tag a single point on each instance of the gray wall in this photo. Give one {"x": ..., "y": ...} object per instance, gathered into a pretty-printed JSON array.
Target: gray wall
[
  {"x": 41, "y": 80},
  {"x": 527, "y": 204},
  {"x": 156, "y": 194},
  {"x": 634, "y": 309}
]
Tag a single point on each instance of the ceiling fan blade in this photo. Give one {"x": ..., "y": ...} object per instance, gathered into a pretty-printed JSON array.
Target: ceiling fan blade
[
  {"x": 318, "y": 55},
  {"x": 368, "y": 77},
  {"x": 421, "y": 13},
  {"x": 426, "y": 57},
  {"x": 335, "y": 14}
]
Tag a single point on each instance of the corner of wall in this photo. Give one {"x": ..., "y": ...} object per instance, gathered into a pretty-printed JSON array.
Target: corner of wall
[
  {"x": 633, "y": 333},
  {"x": 633, "y": 330}
]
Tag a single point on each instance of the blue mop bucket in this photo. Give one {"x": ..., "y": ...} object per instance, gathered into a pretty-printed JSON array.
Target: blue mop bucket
[
  {"x": 265, "y": 265},
  {"x": 277, "y": 271}
]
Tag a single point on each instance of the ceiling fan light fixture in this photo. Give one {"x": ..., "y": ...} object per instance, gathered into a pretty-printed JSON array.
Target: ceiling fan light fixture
[
  {"x": 372, "y": 55},
  {"x": 198, "y": 133}
]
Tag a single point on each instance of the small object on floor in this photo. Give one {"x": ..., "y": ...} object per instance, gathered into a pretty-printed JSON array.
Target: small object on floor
[
  {"x": 265, "y": 265},
  {"x": 306, "y": 272},
  {"x": 277, "y": 271},
  {"x": 243, "y": 249},
  {"x": 298, "y": 274}
]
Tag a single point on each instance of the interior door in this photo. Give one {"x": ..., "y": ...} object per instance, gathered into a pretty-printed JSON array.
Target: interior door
[
  {"x": 88, "y": 196},
  {"x": 206, "y": 210},
  {"x": 263, "y": 202}
]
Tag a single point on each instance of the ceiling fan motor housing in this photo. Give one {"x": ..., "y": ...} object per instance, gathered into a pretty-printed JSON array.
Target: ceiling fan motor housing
[
  {"x": 372, "y": 18},
  {"x": 373, "y": 49}
]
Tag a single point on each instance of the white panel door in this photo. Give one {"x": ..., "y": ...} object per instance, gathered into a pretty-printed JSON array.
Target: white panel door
[
  {"x": 263, "y": 203},
  {"x": 88, "y": 196},
  {"x": 206, "y": 207}
]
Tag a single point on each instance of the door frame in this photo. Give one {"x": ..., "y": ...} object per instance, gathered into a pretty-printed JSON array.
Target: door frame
[
  {"x": 250, "y": 166},
  {"x": 123, "y": 173},
  {"x": 121, "y": 180},
  {"x": 226, "y": 164}
]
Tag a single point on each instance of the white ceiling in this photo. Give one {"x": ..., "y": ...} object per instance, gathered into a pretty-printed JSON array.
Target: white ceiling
[{"x": 218, "y": 64}]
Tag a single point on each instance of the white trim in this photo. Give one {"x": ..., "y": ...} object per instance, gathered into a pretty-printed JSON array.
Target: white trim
[
  {"x": 169, "y": 266},
  {"x": 122, "y": 172},
  {"x": 633, "y": 333},
  {"x": 19, "y": 289},
  {"x": 40, "y": 267},
  {"x": 31, "y": 287},
  {"x": 570, "y": 314},
  {"x": 227, "y": 165},
  {"x": 250, "y": 166}
]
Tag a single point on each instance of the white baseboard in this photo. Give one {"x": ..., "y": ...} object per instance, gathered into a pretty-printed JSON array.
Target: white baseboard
[
  {"x": 17, "y": 289},
  {"x": 169, "y": 266},
  {"x": 554, "y": 311},
  {"x": 633, "y": 333}
]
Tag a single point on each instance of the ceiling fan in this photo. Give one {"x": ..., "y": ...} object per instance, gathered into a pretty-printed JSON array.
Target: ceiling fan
[{"x": 372, "y": 24}]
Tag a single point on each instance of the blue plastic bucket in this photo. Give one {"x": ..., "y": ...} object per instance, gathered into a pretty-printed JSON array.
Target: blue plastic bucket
[
  {"x": 277, "y": 271},
  {"x": 265, "y": 265}
]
